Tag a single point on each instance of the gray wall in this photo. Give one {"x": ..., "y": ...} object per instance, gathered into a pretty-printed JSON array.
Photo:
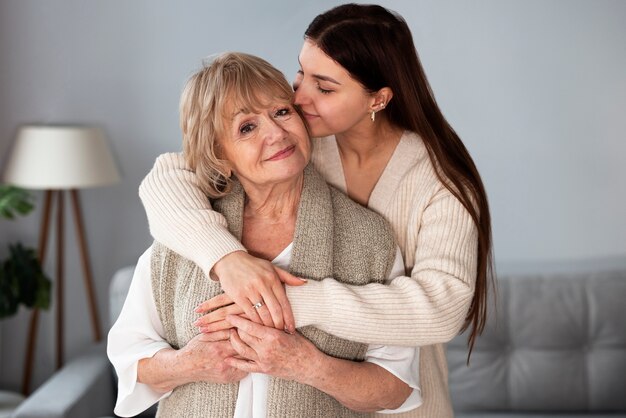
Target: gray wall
[{"x": 537, "y": 90}]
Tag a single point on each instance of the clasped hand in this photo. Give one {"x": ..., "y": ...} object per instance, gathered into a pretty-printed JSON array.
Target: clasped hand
[
  {"x": 246, "y": 281},
  {"x": 267, "y": 350},
  {"x": 227, "y": 356}
]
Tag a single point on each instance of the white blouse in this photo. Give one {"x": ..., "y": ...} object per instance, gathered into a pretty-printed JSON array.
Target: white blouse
[{"x": 138, "y": 333}]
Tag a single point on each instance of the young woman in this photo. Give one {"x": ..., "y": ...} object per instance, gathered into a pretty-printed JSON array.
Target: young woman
[{"x": 383, "y": 141}]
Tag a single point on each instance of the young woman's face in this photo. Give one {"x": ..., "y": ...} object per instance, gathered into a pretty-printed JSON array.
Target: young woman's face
[
  {"x": 267, "y": 146},
  {"x": 331, "y": 100}
]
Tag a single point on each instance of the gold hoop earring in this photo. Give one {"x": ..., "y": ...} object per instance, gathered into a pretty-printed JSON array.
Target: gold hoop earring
[{"x": 373, "y": 115}]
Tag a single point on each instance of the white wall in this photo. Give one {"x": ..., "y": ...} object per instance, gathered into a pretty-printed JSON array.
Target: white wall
[{"x": 537, "y": 90}]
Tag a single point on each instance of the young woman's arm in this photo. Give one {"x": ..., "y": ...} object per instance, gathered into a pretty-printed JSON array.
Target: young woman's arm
[
  {"x": 170, "y": 193},
  {"x": 427, "y": 307}
]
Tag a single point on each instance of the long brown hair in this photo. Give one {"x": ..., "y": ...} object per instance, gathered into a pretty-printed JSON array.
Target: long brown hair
[{"x": 376, "y": 47}]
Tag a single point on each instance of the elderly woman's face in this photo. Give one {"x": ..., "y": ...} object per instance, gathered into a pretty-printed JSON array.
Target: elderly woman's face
[{"x": 267, "y": 147}]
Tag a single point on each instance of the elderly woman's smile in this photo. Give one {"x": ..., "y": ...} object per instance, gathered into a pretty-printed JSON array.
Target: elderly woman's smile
[{"x": 285, "y": 153}]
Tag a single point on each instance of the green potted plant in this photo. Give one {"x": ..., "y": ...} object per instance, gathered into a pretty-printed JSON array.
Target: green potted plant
[{"x": 22, "y": 280}]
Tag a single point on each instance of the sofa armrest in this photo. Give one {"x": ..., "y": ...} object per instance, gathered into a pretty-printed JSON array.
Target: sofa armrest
[{"x": 84, "y": 387}]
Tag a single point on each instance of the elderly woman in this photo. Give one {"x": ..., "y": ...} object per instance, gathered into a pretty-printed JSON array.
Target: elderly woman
[{"x": 250, "y": 149}]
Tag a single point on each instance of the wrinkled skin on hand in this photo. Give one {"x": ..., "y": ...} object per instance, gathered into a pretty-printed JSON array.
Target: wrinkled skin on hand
[
  {"x": 267, "y": 350},
  {"x": 204, "y": 359}
]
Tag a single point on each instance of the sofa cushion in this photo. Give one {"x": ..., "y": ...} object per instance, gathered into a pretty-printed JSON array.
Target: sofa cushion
[
  {"x": 556, "y": 343},
  {"x": 118, "y": 289}
]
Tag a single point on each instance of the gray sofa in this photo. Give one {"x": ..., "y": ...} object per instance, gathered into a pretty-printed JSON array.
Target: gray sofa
[{"x": 556, "y": 347}]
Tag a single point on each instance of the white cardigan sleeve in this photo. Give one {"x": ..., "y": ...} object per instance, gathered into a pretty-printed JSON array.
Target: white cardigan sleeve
[{"x": 137, "y": 334}]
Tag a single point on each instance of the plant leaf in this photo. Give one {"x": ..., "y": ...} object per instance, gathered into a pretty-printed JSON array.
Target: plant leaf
[
  {"x": 25, "y": 278},
  {"x": 14, "y": 200},
  {"x": 9, "y": 292}
]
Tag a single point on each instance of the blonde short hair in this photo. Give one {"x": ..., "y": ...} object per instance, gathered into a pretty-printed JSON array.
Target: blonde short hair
[{"x": 232, "y": 78}]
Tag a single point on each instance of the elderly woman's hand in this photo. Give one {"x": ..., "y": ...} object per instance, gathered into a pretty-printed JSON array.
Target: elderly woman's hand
[
  {"x": 255, "y": 286},
  {"x": 266, "y": 350},
  {"x": 201, "y": 360}
]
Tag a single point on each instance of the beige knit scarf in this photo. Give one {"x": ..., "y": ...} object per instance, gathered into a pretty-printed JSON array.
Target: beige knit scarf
[{"x": 334, "y": 237}]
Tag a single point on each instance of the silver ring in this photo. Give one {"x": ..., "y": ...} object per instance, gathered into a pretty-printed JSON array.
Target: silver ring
[{"x": 258, "y": 304}]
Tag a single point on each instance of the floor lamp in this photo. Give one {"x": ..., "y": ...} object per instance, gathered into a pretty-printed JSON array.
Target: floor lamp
[{"x": 60, "y": 160}]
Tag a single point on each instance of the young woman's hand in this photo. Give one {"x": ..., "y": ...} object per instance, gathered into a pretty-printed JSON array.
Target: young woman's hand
[{"x": 255, "y": 286}]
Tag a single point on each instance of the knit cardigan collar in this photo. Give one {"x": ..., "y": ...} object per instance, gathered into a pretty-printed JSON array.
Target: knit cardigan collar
[{"x": 409, "y": 151}]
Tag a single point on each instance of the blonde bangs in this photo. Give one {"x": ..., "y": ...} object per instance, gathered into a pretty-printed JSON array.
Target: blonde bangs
[{"x": 252, "y": 87}]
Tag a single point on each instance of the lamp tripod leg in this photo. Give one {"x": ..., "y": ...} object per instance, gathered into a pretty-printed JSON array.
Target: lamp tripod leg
[
  {"x": 84, "y": 256},
  {"x": 34, "y": 316},
  {"x": 60, "y": 285}
]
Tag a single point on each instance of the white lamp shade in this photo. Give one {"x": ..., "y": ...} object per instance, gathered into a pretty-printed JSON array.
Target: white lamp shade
[{"x": 60, "y": 157}]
